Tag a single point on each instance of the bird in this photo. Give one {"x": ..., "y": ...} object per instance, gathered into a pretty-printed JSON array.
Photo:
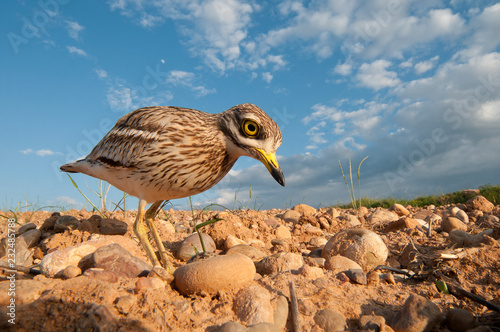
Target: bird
[{"x": 159, "y": 153}]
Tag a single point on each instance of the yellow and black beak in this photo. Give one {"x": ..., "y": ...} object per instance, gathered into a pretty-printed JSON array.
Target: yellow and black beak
[{"x": 269, "y": 160}]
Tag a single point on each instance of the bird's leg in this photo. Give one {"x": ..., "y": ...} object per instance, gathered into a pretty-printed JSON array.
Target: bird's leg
[
  {"x": 150, "y": 216},
  {"x": 142, "y": 233}
]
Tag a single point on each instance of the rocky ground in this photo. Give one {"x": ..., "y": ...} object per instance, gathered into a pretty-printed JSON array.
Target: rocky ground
[{"x": 297, "y": 270}]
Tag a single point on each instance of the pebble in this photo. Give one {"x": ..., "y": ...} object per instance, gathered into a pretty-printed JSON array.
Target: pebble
[
  {"x": 280, "y": 312},
  {"x": 332, "y": 212},
  {"x": 399, "y": 209},
  {"x": 401, "y": 224},
  {"x": 360, "y": 245},
  {"x": 388, "y": 278},
  {"x": 49, "y": 223},
  {"x": 232, "y": 241},
  {"x": 479, "y": 203},
  {"x": 459, "y": 320},
  {"x": 316, "y": 243},
  {"x": 249, "y": 251},
  {"x": 26, "y": 291},
  {"x": 279, "y": 262},
  {"x": 111, "y": 226},
  {"x": 187, "y": 248},
  {"x": 96, "y": 318},
  {"x": 144, "y": 283},
  {"x": 70, "y": 272},
  {"x": 312, "y": 230},
  {"x": 31, "y": 237},
  {"x": 372, "y": 323},
  {"x": 23, "y": 256},
  {"x": 252, "y": 305},
  {"x": 304, "y": 209},
  {"x": 215, "y": 274},
  {"x": 291, "y": 216},
  {"x": 340, "y": 264},
  {"x": 373, "y": 277},
  {"x": 124, "y": 303},
  {"x": 115, "y": 258},
  {"x": 64, "y": 223},
  {"x": 101, "y": 274},
  {"x": 282, "y": 232},
  {"x": 311, "y": 272},
  {"x": 237, "y": 327},
  {"x": 24, "y": 228},
  {"x": 450, "y": 223},
  {"x": 417, "y": 314},
  {"x": 330, "y": 320},
  {"x": 352, "y": 221},
  {"x": 382, "y": 216},
  {"x": 460, "y": 214},
  {"x": 356, "y": 276}
]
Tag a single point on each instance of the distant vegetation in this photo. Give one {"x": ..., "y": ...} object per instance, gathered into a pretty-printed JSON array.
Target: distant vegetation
[{"x": 490, "y": 192}]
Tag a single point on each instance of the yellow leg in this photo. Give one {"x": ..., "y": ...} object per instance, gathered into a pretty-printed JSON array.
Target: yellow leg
[
  {"x": 142, "y": 233},
  {"x": 150, "y": 216}
]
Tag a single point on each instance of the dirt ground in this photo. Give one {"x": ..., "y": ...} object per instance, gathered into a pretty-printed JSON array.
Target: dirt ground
[{"x": 83, "y": 303}]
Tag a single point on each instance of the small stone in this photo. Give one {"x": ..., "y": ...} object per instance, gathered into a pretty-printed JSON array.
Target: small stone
[
  {"x": 252, "y": 305},
  {"x": 330, "y": 321},
  {"x": 382, "y": 216},
  {"x": 399, "y": 209},
  {"x": 450, "y": 223},
  {"x": 124, "y": 303},
  {"x": 187, "y": 248},
  {"x": 215, "y": 274},
  {"x": 334, "y": 213},
  {"x": 23, "y": 256},
  {"x": 372, "y": 323},
  {"x": 144, "y": 283},
  {"x": 356, "y": 276},
  {"x": 160, "y": 273},
  {"x": 388, "y": 278},
  {"x": 279, "y": 262},
  {"x": 263, "y": 327},
  {"x": 340, "y": 264},
  {"x": 249, "y": 251},
  {"x": 311, "y": 272},
  {"x": 26, "y": 227},
  {"x": 304, "y": 209},
  {"x": 281, "y": 312},
  {"x": 37, "y": 253},
  {"x": 31, "y": 237},
  {"x": 361, "y": 245},
  {"x": 282, "y": 232},
  {"x": 231, "y": 327},
  {"x": 317, "y": 242},
  {"x": 291, "y": 216},
  {"x": 49, "y": 223},
  {"x": 101, "y": 274},
  {"x": 280, "y": 245},
  {"x": 312, "y": 230},
  {"x": 460, "y": 238},
  {"x": 479, "y": 203},
  {"x": 401, "y": 224},
  {"x": 352, "y": 221},
  {"x": 111, "y": 226},
  {"x": 70, "y": 272},
  {"x": 115, "y": 258},
  {"x": 232, "y": 241},
  {"x": 373, "y": 277},
  {"x": 459, "y": 320},
  {"x": 64, "y": 223},
  {"x": 460, "y": 214},
  {"x": 418, "y": 314}
]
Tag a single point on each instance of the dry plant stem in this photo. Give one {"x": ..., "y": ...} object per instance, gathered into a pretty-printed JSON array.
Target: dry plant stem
[
  {"x": 460, "y": 292},
  {"x": 295, "y": 305}
]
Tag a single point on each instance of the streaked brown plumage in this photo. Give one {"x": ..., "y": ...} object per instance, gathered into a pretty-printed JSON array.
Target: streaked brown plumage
[{"x": 161, "y": 153}]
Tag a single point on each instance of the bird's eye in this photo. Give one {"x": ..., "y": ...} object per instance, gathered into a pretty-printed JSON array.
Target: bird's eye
[{"x": 250, "y": 128}]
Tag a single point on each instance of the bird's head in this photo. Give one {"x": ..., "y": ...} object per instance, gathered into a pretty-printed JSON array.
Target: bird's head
[{"x": 253, "y": 133}]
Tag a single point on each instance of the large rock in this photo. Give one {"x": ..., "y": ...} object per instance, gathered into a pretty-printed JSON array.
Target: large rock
[
  {"x": 382, "y": 216},
  {"x": 450, "y": 223},
  {"x": 417, "y": 315},
  {"x": 215, "y": 274},
  {"x": 360, "y": 245},
  {"x": 479, "y": 203},
  {"x": 115, "y": 258},
  {"x": 252, "y": 305},
  {"x": 304, "y": 209}
]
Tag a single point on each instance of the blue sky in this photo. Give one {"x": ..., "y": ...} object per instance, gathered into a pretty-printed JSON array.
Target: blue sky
[{"x": 414, "y": 85}]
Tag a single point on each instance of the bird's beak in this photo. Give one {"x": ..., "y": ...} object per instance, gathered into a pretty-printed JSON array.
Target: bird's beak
[{"x": 269, "y": 160}]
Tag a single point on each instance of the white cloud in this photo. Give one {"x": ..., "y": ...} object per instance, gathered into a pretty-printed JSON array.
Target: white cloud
[
  {"x": 76, "y": 50},
  {"x": 74, "y": 29},
  {"x": 343, "y": 69},
  {"x": 376, "y": 76},
  {"x": 68, "y": 202},
  {"x": 187, "y": 79},
  {"x": 267, "y": 76},
  {"x": 41, "y": 152},
  {"x": 101, "y": 73},
  {"x": 424, "y": 66}
]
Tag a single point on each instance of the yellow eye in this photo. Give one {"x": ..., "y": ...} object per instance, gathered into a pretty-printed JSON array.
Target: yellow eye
[{"x": 250, "y": 128}]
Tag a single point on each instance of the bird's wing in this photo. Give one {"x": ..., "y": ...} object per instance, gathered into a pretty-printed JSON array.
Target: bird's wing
[{"x": 132, "y": 134}]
